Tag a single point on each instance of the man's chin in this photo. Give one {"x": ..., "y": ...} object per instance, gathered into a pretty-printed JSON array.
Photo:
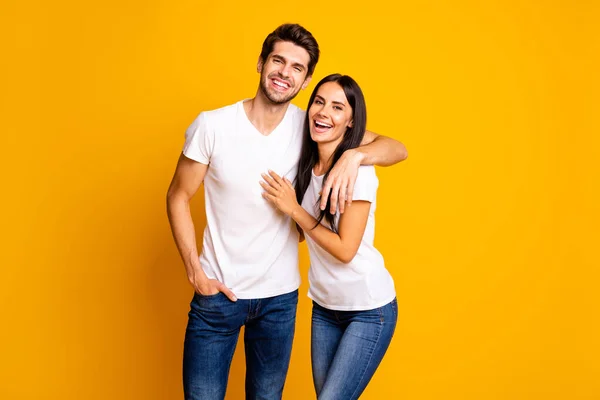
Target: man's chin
[{"x": 278, "y": 98}]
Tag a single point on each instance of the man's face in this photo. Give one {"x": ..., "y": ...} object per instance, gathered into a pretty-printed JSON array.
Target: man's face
[{"x": 284, "y": 72}]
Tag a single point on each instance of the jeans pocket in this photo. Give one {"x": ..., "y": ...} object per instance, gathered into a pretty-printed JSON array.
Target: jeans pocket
[
  {"x": 206, "y": 296},
  {"x": 201, "y": 302}
]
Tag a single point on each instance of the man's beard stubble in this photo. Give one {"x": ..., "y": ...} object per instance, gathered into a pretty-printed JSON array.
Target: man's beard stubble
[{"x": 272, "y": 96}]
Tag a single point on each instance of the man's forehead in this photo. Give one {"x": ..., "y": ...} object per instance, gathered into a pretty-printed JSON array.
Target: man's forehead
[{"x": 291, "y": 52}]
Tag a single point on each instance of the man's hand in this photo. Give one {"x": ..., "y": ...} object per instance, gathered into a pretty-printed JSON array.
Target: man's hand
[
  {"x": 341, "y": 180},
  {"x": 210, "y": 287}
]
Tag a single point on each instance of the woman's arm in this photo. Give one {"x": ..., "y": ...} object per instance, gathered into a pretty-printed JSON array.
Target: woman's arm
[
  {"x": 351, "y": 228},
  {"x": 300, "y": 234}
]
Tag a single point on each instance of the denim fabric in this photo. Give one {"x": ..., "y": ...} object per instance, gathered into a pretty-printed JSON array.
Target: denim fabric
[
  {"x": 212, "y": 332},
  {"x": 347, "y": 347}
]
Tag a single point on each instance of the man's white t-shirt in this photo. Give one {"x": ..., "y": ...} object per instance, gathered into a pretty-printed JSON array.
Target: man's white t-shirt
[
  {"x": 362, "y": 284},
  {"x": 248, "y": 244}
]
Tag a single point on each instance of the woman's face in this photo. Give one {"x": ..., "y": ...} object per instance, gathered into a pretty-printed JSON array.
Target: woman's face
[{"x": 329, "y": 114}]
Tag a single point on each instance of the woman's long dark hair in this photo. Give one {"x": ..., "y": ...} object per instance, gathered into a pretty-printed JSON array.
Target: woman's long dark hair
[{"x": 352, "y": 138}]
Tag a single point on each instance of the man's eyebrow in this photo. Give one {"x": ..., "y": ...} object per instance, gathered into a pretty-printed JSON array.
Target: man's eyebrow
[
  {"x": 299, "y": 65},
  {"x": 296, "y": 64}
]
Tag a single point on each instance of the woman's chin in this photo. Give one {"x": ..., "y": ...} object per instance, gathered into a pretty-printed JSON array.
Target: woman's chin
[{"x": 319, "y": 138}]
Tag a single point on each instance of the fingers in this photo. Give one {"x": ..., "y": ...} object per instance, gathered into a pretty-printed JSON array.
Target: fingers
[
  {"x": 269, "y": 188},
  {"x": 270, "y": 198},
  {"x": 342, "y": 198},
  {"x": 276, "y": 177},
  {"x": 276, "y": 185},
  {"x": 325, "y": 193},
  {"x": 335, "y": 195},
  {"x": 350, "y": 193},
  {"x": 225, "y": 290},
  {"x": 338, "y": 195},
  {"x": 288, "y": 183},
  {"x": 271, "y": 181}
]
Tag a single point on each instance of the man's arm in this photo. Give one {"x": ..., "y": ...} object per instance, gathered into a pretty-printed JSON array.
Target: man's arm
[
  {"x": 374, "y": 150},
  {"x": 188, "y": 177},
  {"x": 381, "y": 150}
]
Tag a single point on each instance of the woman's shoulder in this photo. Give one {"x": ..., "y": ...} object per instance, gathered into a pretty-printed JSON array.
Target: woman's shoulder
[
  {"x": 365, "y": 187},
  {"x": 366, "y": 172}
]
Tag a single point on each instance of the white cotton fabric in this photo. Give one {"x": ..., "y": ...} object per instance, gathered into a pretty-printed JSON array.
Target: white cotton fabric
[
  {"x": 362, "y": 284},
  {"x": 248, "y": 245}
]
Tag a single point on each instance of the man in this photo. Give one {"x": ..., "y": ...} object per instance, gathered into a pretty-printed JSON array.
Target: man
[{"x": 247, "y": 273}]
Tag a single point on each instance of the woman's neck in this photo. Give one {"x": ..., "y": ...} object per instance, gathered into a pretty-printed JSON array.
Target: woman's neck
[{"x": 326, "y": 151}]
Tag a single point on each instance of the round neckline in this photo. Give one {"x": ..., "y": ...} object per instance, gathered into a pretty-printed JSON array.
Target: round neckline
[{"x": 312, "y": 171}]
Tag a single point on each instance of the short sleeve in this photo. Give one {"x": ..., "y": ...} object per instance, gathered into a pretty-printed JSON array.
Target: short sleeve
[
  {"x": 365, "y": 187},
  {"x": 199, "y": 141}
]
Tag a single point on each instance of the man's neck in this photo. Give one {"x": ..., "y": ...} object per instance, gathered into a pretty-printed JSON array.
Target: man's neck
[{"x": 263, "y": 114}]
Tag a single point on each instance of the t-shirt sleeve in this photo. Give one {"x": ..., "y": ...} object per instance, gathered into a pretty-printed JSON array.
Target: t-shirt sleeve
[
  {"x": 365, "y": 187},
  {"x": 199, "y": 141}
]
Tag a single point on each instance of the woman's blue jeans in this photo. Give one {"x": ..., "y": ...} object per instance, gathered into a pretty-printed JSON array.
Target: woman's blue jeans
[{"x": 347, "y": 347}]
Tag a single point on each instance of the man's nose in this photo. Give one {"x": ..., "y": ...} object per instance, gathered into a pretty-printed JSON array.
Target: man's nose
[{"x": 285, "y": 70}]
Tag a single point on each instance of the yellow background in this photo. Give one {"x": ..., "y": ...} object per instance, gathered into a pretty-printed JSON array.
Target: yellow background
[{"x": 490, "y": 228}]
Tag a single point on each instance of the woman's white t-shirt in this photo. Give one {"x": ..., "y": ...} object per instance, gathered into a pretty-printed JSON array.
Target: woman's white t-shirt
[{"x": 362, "y": 284}]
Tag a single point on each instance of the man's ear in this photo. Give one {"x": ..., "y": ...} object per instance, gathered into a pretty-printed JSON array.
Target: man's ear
[
  {"x": 259, "y": 65},
  {"x": 306, "y": 82}
]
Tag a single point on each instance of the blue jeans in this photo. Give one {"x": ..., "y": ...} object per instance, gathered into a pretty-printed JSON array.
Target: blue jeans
[
  {"x": 347, "y": 347},
  {"x": 212, "y": 332}
]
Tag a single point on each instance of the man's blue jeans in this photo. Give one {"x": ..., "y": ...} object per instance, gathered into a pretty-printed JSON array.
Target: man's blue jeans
[
  {"x": 213, "y": 328},
  {"x": 347, "y": 347}
]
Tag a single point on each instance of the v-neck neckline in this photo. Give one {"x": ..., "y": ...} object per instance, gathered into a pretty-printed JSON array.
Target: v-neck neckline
[{"x": 274, "y": 132}]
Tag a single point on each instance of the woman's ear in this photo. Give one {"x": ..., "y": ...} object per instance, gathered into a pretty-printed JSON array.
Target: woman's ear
[{"x": 351, "y": 123}]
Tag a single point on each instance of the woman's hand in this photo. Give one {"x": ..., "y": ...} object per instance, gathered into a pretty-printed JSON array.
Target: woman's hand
[{"x": 279, "y": 192}]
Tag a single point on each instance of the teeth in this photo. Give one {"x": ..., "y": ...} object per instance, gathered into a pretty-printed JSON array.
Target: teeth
[
  {"x": 280, "y": 84},
  {"x": 322, "y": 124}
]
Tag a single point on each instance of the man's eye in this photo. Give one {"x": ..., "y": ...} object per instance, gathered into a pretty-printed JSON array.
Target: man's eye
[{"x": 298, "y": 69}]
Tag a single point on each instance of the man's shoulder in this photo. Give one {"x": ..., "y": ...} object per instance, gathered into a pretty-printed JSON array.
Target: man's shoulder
[
  {"x": 296, "y": 110},
  {"x": 298, "y": 116},
  {"x": 225, "y": 113}
]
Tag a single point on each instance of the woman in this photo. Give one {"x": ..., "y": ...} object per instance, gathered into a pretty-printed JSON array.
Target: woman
[{"x": 354, "y": 301}]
